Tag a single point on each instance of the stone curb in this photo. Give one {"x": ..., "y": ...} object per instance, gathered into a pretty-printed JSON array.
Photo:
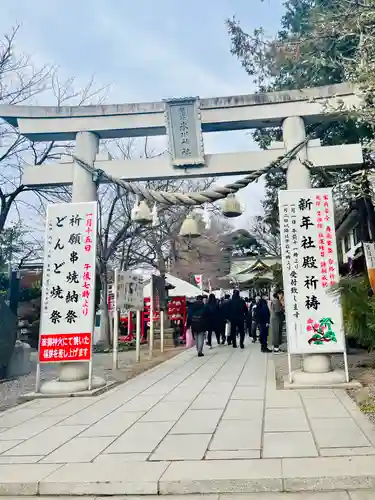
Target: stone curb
[{"x": 193, "y": 477}]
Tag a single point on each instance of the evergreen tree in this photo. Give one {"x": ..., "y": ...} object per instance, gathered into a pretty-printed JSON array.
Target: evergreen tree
[{"x": 308, "y": 51}]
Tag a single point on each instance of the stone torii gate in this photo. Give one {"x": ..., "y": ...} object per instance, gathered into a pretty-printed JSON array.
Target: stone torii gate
[{"x": 88, "y": 124}]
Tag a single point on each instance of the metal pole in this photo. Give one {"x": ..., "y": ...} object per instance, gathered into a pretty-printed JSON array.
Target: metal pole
[
  {"x": 290, "y": 368},
  {"x": 90, "y": 372},
  {"x": 161, "y": 331},
  {"x": 346, "y": 367},
  {"x": 115, "y": 323},
  {"x": 130, "y": 322},
  {"x": 37, "y": 382},
  {"x": 138, "y": 337},
  {"x": 151, "y": 333}
]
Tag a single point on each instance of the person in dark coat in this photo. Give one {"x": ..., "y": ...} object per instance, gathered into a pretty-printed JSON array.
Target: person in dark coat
[
  {"x": 196, "y": 322},
  {"x": 261, "y": 319},
  {"x": 211, "y": 317},
  {"x": 237, "y": 315}
]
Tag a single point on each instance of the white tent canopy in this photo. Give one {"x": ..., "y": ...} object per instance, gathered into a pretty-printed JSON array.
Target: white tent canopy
[{"x": 181, "y": 288}]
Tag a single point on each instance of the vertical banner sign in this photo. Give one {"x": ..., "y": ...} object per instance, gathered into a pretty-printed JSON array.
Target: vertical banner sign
[
  {"x": 310, "y": 268},
  {"x": 369, "y": 249},
  {"x": 68, "y": 295},
  {"x": 129, "y": 293}
]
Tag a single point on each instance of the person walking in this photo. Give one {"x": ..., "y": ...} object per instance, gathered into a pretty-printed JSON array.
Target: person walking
[
  {"x": 261, "y": 316},
  {"x": 225, "y": 308},
  {"x": 276, "y": 321},
  {"x": 248, "y": 318},
  {"x": 221, "y": 321},
  {"x": 237, "y": 314},
  {"x": 254, "y": 326},
  {"x": 196, "y": 322},
  {"x": 211, "y": 318}
]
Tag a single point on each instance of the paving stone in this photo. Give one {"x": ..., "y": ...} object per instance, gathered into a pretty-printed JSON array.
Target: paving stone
[
  {"x": 29, "y": 429},
  {"x": 316, "y": 393},
  {"x": 362, "y": 495},
  {"x": 142, "y": 437},
  {"x": 325, "y": 408},
  {"x": 215, "y": 387},
  {"x": 86, "y": 417},
  {"x": 252, "y": 381},
  {"x": 47, "y": 441},
  {"x": 328, "y": 473},
  {"x": 232, "y": 454},
  {"x": 247, "y": 392},
  {"x": 170, "y": 497},
  {"x": 285, "y": 420},
  {"x": 212, "y": 476},
  {"x": 122, "y": 457},
  {"x": 141, "y": 403},
  {"x": 330, "y": 495},
  {"x": 28, "y": 459},
  {"x": 45, "y": 404},
  {"x": 244, "y": 409},
  {"x": 283, "y": 399},
  {"x": 78, "y": 450},
  {"x": 244, "y": 435},
  {"x": 197, "y": 422},
  {"x": 158, "y": 390},
  {"x": 359, "y": 418},
  {"x": 337, "y": 433},
  {"x": 181, "y": 395},
  {"x": 288, "y": 444},
  {"x": 23, "y": 479},
  {"x": 113, "y": 424},
  {"x": 6, "y": 445},
  {"x": 100, "y": 478},
  {"x": 346, "y": 452},
  {"x": 182, "y": 447},
  {"x": 210, "y": 402},
  {"x": 70, "y": 408},
  {"x": 52, "y": 498},
  {"x": 94, "y": 412},
  {"x": 8, "y": 420},
  {"x": 164, "y": 412}
]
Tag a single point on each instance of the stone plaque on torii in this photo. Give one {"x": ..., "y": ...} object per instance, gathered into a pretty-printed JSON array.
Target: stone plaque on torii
[{"x": 88, "y": 124}]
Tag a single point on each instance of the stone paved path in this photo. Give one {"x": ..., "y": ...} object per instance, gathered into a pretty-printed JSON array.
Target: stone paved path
[
  {"x": 191, "y": 425},
  {"x": 332, "y": 495}
]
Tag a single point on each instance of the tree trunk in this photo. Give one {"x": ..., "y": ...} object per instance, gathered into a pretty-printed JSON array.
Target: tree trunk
[
  {"x": 371, "y": 217},
  {"x": 363, "y": 225}
]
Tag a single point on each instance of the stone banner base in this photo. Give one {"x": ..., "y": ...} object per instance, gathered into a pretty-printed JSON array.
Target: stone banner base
[
  {"x": 330, "y": 380},
  {"x": 94, "y": 392}
]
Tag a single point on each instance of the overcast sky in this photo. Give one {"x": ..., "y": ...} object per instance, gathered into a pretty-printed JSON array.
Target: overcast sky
[{"x": 146, "y": 50}]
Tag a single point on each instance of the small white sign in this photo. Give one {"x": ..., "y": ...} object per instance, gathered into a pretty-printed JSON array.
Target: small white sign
[
  {"x": 68, "y": 294},
  {"x": 369, "y": 249},
  {"x": 128, "y": 291},
  {"x": 310, "y": 268}
]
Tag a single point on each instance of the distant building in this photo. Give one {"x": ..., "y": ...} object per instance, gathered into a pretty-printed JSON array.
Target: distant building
[
  {"x": 253, "y": 273},
  {"x": 351, "y": 230}
]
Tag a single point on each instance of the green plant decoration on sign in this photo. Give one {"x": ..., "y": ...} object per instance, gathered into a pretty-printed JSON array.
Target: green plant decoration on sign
[{"x": 322, "y": 331}]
